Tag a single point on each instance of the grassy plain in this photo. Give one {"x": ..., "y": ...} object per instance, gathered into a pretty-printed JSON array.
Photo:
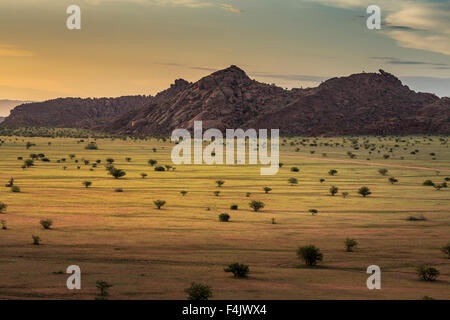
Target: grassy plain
[{"x": 155, "y": 254}]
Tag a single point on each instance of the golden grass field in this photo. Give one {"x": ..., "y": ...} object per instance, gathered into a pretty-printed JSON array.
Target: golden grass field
[{"x": 147, "y": 253}]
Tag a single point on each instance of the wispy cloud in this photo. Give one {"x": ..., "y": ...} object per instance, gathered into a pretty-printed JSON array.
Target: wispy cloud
[
  {"x": 7, "y": 50},
  {"x": 397, "y": 61},
  {"x": 230, "y": 8},
  {"x": 417, "y": 24}
]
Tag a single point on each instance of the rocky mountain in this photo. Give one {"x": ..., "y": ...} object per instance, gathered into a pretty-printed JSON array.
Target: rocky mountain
[
  {"x": 365, "y": 103},
  {"x": 74, "y": 112}
]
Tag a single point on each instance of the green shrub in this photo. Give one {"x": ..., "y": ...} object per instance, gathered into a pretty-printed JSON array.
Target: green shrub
[
  {"x": 419, "y": 218},
  {"x": 224, "y": 217},
  {"x": 350, "y": 244},
  {"x": 267, "y": 189},
  {"x": 3, "y": 223},
  {"x": 152, "y": 162},
  {"x": 383, "y": 171},
  {"x": 238, "y": 270},
  {"x": 313, "y": 211},
  {"x": 159, "y": 203},
  {"x": 332, "y": 172},
  {"x": 91, "y": 146},
  {"x": 143, "y": 175},
  {"x": 103, "y": 287},
  {"x": 220, "y": 183},
  {"x": 392, "y": 180},
  {"x": 427, "y": 273},
  {"x": 428, "y": 183},
  {"x": 15, "y": 189},
  {"x": 87, "y": 184},
  {"x": 36, "y": 240},
  {"x": 292, "y": 181},
  {"x": 446, "y": 249},
  {"x": 256, "y": 205},
  {"x": 183, "y": 193},
  {"x": 198, "y": 291},
  {"x": 364, "y": 191},
  {"x": 160, "y": 168},
  {"x": 295, "y": 169},
  {"x": 333, "y": 190},
  {"x": 46, "y": 224},
  {"x": 310, "y": 255},
  {"x": 234, "y": 207},
  {"x": 3, "y": 207},
  {"x": 116, "y": 173}
]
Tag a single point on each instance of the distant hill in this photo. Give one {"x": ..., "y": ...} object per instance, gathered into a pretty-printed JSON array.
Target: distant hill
[
  {"x": 365, "y": 103},
  {"x": 7, "y": 105},
  {"x": 2, "y": 119}
]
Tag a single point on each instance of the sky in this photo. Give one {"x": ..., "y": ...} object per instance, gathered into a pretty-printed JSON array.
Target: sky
[{"x": 128, "y": 47}]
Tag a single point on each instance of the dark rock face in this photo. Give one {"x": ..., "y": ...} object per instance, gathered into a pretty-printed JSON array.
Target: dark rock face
[
  {"x": 74, "y": 112},
  {"x": 365, "y": 103}
]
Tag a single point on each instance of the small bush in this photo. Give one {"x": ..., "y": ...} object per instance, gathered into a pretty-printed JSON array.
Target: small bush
[
  {"x": 116, "y": 173},
  {"x": 183, "y": 193},
  {"x": 143, "y": 175},
  {"x": 383, "y": 171},
  {"x": 350, "y": 244},
  {"x": 198, "y": 292},
  {"x": 267, "y": 189},
  {"x": 332, "y": 172},
  {"x": 238, "y": 270},
  {"x": 103, "y": 287},
  {"x": 344, "y": 194},
  {"x": 234, "y": 207},
  {"x": 295, "y": 169},
  {"x": 419, "y": 218},
  {"x": 333, "y": 190},
  {"x": 3, "y": 207},
  {"x": 220, "y": 183},
  {"x": 446, "y": 249},
  {"x": 256, "y": 205},
  {"x": 46, "y": 224},
  {"x": 15, "y": 189},
  {"x": 3, "y": 223},
  {"x": 216, "y": 193},
  {"x": 392, "y": 180},
  {"x": 224, "y": 217},
  {"x": 427, "y": 273},
  {"x": 364, "y": 191},
  {"x": 36, "y": 240},
  {"x": 160, "y": 168},
  {"x": 428, "y": 183},
  {"x": 159, "y": 203},
  {"x": 310, "y": 255},
  {"x": 152, "y": 162},
  {"x": 293, "y": 181},
  {"x": 248, "y": 194},
  {"x": 313, "y": 211},
  {"x": 118, "y": 190},
  {"x": 87, "y": 184},
  {"x": 91, "y": 146}
]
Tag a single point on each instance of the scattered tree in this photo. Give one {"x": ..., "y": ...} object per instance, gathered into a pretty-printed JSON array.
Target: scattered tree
[
  {"x": 224, "y": 217},
  {"x": 198, "y": 292},
  {"x": 238, "y": 270},
  {"x": 3, "y": 207},
  {"x": 183, "y": 193},
  {"x": 350, "y": 244},
  {"x": 220, "y": 183},
  {"x": 152, "y": 162},
  {"x": 143, "y": 175},
  {"x": 313, "y": 211},
  {"x": 446, "y": 249},
  {"x": 333, "y": 190},
  {"x": 427, "y": 273},
  {"x": 159, "y": 203},
  {"x": 383, "y": 171},
  {"x": 293, "y": 181},
  {"x": 46, "y": 224},
  {"x": 392, "y": 180},
  {"x": 103, "y": 287},
  {"x": 256, "y": 205},
  {"x": 364, "y": 191},
  {"x": 332, "y": 172},
  {"x": 87, "y": 184},
  {"x": 310, "y": 255},
  {"x": 267, "y": 189},
  {"x": 36, "y": 240}
]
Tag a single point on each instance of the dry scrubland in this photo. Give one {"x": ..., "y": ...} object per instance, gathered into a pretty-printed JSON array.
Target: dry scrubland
[{"x": 147, "y": 253}]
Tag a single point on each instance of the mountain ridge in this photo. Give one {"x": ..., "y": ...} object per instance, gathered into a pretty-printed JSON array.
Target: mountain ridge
[{"x": 363, "y": 103}]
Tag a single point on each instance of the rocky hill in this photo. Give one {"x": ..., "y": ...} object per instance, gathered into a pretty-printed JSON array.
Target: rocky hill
[
  {"x": 74, "y": 112},
  {"x": 365, "y": 103}
]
